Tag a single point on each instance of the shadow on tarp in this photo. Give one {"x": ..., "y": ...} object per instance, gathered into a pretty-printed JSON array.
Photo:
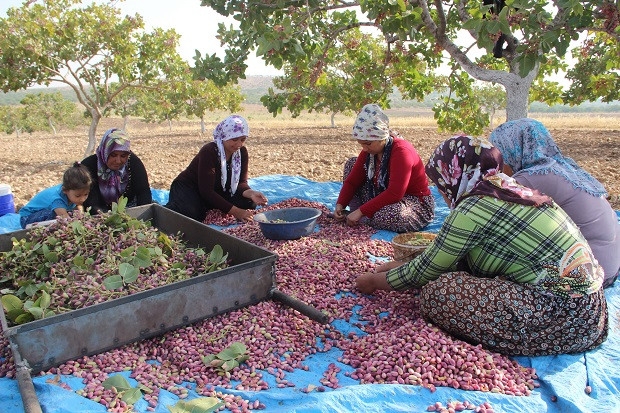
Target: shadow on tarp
[{"x": 562, "y": 377}]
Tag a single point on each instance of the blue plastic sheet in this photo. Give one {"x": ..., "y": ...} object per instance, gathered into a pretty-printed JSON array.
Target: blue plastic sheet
[{"x": 562, "y": 379}]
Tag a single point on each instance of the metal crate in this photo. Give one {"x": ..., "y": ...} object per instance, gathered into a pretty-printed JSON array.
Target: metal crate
[{"x": 249, "y": 279}]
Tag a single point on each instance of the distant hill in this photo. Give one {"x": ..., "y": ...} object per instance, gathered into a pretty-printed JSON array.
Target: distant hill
[{"x": 253, "y": 87}]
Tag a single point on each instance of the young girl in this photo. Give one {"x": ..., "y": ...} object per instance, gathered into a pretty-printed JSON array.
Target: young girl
[{"x": 58, "y": 200}]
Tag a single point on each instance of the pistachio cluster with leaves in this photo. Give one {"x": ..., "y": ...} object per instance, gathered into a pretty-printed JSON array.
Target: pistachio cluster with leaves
[{"x": 84, "y": 260}]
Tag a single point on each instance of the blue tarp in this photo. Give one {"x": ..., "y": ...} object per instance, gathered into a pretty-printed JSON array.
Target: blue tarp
[{"x": 562, "y": 379}]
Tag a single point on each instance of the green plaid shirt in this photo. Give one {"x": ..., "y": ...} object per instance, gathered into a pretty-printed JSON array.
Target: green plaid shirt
[{"x": 540, "y": 246}]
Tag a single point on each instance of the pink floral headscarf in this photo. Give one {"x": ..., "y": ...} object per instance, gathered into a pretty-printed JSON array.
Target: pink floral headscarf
[
  {"x": 465, "y": 166},
  {"x": 112, "y": 184},
  {"x": 232, "y": 127}
]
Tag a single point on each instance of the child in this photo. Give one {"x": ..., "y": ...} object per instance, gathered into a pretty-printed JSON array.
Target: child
[{"x": 58, "y": 200}]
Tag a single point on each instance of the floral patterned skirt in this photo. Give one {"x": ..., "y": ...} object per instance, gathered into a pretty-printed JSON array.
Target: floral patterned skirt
[
  {"x": 514, "y": 319},
  {"x": 411, "y": 213}
]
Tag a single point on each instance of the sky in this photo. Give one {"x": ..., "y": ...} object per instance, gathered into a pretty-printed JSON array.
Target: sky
[{"x": 197, "y": 26}]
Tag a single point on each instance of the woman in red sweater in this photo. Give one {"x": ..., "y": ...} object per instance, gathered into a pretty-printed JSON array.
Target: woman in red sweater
[{"x": 385, "y": 186}]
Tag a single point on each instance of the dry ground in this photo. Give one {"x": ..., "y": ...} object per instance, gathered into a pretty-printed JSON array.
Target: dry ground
[{"x": 310, "y": 149}]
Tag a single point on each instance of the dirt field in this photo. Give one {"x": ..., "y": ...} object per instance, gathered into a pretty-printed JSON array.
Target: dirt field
[{"x": 34, "y": 162}]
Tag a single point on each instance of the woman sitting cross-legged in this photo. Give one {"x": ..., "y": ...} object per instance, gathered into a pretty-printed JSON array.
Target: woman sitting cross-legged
[
  {"x": 385, "y": 185},
  {"x": 509, "y": 269}
]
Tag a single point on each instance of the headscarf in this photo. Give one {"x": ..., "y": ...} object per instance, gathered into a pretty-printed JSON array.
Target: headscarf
[
  {"x": 372, "y": 124},
  {"x": 232, "y": 127},
  {"x": 527, "y": 145},
  {"x": 465, "y": 166},
  {"x": 112, "y": 184}
]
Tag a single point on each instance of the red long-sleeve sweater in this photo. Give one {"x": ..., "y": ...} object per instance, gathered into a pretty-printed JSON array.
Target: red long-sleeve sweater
[{"x": 406, "y": 176}]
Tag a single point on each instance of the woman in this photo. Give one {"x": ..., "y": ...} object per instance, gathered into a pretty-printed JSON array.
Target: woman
[
  {"x": 532, "y": 286},
  {"x": 385, "y": 186},
  {"x": 217, "y": 177},
  {"x": 116, "y": 171},
  {"x": 531, "y": 154}
]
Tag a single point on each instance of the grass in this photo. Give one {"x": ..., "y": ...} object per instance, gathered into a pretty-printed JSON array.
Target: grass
[{"x": 414, "y": 117}]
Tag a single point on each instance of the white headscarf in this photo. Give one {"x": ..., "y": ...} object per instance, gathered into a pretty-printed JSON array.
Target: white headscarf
[
  {"x": 371, "y": 124},
  {"x": 232, "y": 127}
]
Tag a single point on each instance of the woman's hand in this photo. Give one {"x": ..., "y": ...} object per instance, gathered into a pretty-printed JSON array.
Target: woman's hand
[
  {"x": 245, "y": 215},
  {"x": 256, "y": 196},
  {"x": 369, "y": 282},
  {"x": 386, "y": 266},
  {"x": 354, "y": 217},
  {"x": 339, "y": 213}
]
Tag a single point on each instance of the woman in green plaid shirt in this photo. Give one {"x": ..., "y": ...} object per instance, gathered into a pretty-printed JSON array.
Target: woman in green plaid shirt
[{"x": 508, "y": 269}]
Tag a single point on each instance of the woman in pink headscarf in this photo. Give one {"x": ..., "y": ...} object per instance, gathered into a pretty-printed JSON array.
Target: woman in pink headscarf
[
  {"x": 116, "y": 171},
  {"x": 217, "y": 177}
]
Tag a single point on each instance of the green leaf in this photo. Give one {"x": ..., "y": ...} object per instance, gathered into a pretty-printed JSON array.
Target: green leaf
[
  {"x": 131, "y": 396},
  {"x": 10, "y": 302},
  {"x": 230, "y": 365},
  {"x": 128, "y": 252},
  {"x": 143, "y": 257},
  {"x": 113, "y": 282},
  {"x": 45, "y": 300},
  {"x": 117, "y": 381},
  {"x": 24, "y": 318},
  {"x": 37, "y": 312},
  {"x": 128, "y": 272},
  {"x": 199, "y": 405}
]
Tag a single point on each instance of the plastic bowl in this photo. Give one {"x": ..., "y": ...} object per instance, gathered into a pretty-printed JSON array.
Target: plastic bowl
[{"x": 287, "y": 223}]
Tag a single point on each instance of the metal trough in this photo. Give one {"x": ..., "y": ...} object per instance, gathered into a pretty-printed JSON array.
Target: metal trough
[{"x": 249, "y": 279}]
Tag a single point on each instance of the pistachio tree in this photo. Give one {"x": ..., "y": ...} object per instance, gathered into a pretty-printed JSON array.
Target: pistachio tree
[
  {"x": 85, "y": 47},
  {"x": 51, "y": 109},
  {"x": 513, "y": 43}
]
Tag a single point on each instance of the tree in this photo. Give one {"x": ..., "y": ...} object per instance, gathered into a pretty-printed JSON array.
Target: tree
[
  {"x": 205, "y": 96},
  {"x": 354, "y": 74},
  {"x": 86, "y": 48},
  {"x": 492, "y": 98},
  {"x": 50, "y": 108},
  {"x": 15, "y": 118},
  {"x": 512, "y": 43}
]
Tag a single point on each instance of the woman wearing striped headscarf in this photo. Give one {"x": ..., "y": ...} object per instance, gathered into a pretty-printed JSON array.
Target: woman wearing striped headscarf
[
  {"x": 217, "y": 177},
  {"x": 509, "y": 269},
  {"x": 385, "y": 186},
  {"x": 116, "y": 171}
]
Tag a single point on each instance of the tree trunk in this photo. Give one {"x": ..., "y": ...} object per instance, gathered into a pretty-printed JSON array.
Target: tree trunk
[
  {"x": 125, "y": 120},
  {"x": 332, "y": 119},
  {"x": 51, "y": 125},
  {"x": 170, "y": 125},
  {"x": 202, "y": 125},
  {"x": 517, "y": 99},
  {"x": 92, "y": 133}
]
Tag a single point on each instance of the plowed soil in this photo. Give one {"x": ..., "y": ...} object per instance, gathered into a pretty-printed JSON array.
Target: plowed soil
[{"x": 33, "y": 162}]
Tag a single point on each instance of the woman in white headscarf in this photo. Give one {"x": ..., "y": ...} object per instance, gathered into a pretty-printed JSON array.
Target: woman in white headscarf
[
  {"x": 385, "y": 186},
  {"x": 217, "y": 177}
]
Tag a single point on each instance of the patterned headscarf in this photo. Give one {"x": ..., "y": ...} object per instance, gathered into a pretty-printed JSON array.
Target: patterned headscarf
[
  {"x": 464, "y": 166},
  {"x": 112, "y": 184},
  {"x": 232, "y": 127},
  {"x": 527, "y": 145},
  {"x": 372, "y": 124}
]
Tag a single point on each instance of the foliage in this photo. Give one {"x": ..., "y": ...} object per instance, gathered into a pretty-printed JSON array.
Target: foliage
[
  {"x": 229, "y": 358},
  {"x": 80, "y": 261},
  {"x": 86, "y": 47},
  {"x": 515, "y": 46},
  {"x": 198, "y": 405},
  {"x": 47, "y": 110},
  {"x": 352, "y": 74},
  {"x": 125, "y": 392},
  {"x": 15, "y": 119}
]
